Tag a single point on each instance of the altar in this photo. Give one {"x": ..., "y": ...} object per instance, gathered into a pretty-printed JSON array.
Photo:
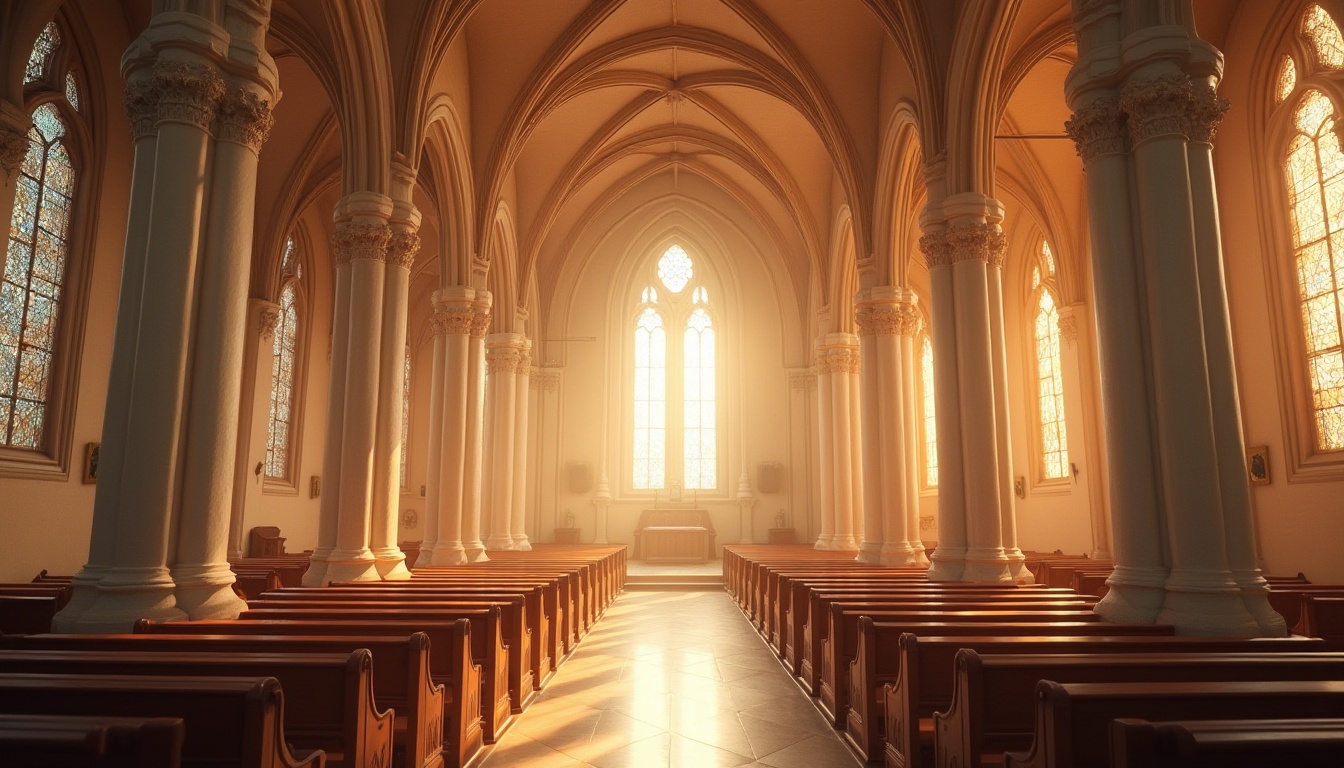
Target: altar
[{"x": 674, "y": 535}]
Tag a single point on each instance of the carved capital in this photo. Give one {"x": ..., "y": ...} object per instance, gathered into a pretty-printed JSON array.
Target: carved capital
[
  {"x": 451, "y": 322},
  {"x": 1157, "y": 106},
  {"x": 480, "y": 323},
  {"x": 360, "y": 240},
  {"x": 1205, "y": 113},
  {"x": 803, "y": 380},
  {"x": 838, "y": 360},
  {"x": 887, "y": 319},
  {"x": 187, "y": 92},
  {"x": 1097, "y": 129},
  {"x": 982, "y": 242},
  {"x": 141, "y": 102},
  {"x": 244, "y": 118},
  {"x": 402, "y": 249},
  {"x": 270, "y": 318},
  {"x": 13, "y": 147},
  {"x": 546, "y": 379},
  {"x": 505, "y": 359}
]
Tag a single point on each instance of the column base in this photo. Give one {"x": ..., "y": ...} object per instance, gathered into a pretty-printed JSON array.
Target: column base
[
  {"x": 451, "y": 553},
  {"x": 206, "y": 592},
  {"x": 122, "y": 597},
  {"x": 947, "y": 564},
  {"x": 1206, "y": 603},
  {"x": 986, "y": 571},
  {"x": 475, "y": 552},
  {"x": 824, "y": 543},
  {"x": 1017, "y": 566},
  {"x": 870, "y": 552},
  {"x": 352, "y": 565},
  {"x": 1135, "y": 595},
  {"x": 391, "y": 564},
  {"x": 921, "y": 554},
  {"x": 901, "y": 554},
  {"x": 521, "y": 543},
  {"x": 845, "y": 544},
  {"x": 83, "y": 596},
  {"x": 496, "y": 542},
  {"x": 1255, "y": 594}
]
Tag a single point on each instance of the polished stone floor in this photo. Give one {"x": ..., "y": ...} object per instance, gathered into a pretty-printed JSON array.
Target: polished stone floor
[{"x": 676, "y": 679}]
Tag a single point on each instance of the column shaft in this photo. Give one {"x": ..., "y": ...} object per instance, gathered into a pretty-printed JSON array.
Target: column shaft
[
  {"x": 384, "y": 538},
  {"x": 473, "y": 466},
  {"x": 522, "y": 385},
  {"x": 825, "y": 443},
  {"x": 434, "y": 459}
]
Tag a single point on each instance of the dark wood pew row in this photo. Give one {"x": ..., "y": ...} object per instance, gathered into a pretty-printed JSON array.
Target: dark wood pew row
[
  {"x": 290, "y": 568},
  {"x": 841, "y": 647},
  {"x": 254, "y": 584},
  {"x": 434, "y": 725},
  {"x": 513, "y": 624},
  {"x": 575, "y": 600},
  {"x": 1287, "y": 598},
  {"x": 561, "y": 599},
  {"x": 1073, "y": 720},
  {"x": 42, "y": 576},
  {"x": 1322, "y": 617},
  {"x": 27, "y": 614},
  {"x": 72, "y": 741},
  {"x": 487, "y": 662},
  {"x": 992, "y": 713},
  {"x": 329, "y": 696},
  {"x": 1301, "y": 743},
  {"x": 235, "y": 721}
]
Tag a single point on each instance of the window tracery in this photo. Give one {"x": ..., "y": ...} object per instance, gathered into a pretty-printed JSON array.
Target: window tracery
[
  {"x": 284, "y": 366},
  {"x": 1054, "y": 446},
  {"x": 47, "y": 43},
  {"x": 1323, "y": 35}
]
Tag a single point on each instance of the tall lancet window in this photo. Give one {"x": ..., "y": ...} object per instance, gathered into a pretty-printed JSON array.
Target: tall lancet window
[
  {"x": 675, "y": 405},
  {"x": 285, "y": 345},
  {"x": 928, "y": 415},
  {"x": 38, "y": 347},
  {"x": 1054, "y": 445}
]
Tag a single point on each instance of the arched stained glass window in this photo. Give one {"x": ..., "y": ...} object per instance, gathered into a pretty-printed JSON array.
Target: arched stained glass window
[
  {"x": 35, "y": 269},
  {"x": 1314, "y": 171},
  {"x": 405, "y": 413},
  {"x": 1322, "y": 34},
  {"x": 929, "y": 416},
  {"x": 284, "y": 366},
  {"x": 650, "y": 438},
  {"x": 674, "y": 269},
  {"x": 46, "y": 44},
  {"x": 1050, "y": 388},
  {"x": 1287, "y": 80},
  {"x": 699, "y": 440}
]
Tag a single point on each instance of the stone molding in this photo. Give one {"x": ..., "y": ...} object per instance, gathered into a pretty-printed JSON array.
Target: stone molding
[
  {"x": 1157, "y": 106},
  {"x": 1097, "y": 129},
  {"x": 402, "y": 249},
  {"x": 974, "y": 242},
  {"x": 451, "y": 321},
  {"x": 13, "y": 148},
  {"x": 359, "y": 240},
  {"x": 244, "y": 118},
  {"x": 887, "y": 318},
  {"x": 545, "y": 379},
  {"x": 838, "y": 360},
  {"x": 187, "y": 92},
  {"x": 1068, "y": 328},
  {"x": 1204, "y": 114}
]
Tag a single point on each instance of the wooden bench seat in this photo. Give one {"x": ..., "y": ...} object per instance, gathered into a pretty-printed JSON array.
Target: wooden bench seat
[
  {"x": 27, "y": 614},
  {"x": 329, "y": 696},
  {"x": 992, "y": 712},
  {"x": 1322, "y": 617},
  {"x": 1073, "y": 720},
  {"x": 235, "y": 721},
  {"x": 1301, "y": 743},
  {"x": 73, "y": 741},
  {"x": 574, "y": 600}
]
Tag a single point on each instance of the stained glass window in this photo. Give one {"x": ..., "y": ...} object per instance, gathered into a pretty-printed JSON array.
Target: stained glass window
[
  {"x": 1050, "y": 389},
  {"x": 30, "y": 293},
  {"x": 405, "y": 412},
  {"x": 72, "y": 91},
  {"x": 699, "y": 441},
  {"x": 930, "y": 417},
  {"x": 1314, "y": 171},
  {"x": 46, "y": 44},
  {"x": 283, "y": 368},
  {"x": 674, "y": 269},
  {"x": 650, "y": 438},
  {"x": 1323, "y": 35},
  {"x": 1287, "y": 78}
]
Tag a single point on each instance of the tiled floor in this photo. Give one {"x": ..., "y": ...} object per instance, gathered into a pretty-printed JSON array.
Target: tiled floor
[{"x": 676, "y": 679}]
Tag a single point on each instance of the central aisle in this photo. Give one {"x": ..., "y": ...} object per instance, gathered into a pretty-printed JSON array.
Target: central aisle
[{"x": 677, "y": 679}]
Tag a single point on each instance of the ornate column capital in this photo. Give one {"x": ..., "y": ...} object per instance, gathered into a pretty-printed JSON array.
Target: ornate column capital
[
  {"x": 886, "y": 310},
  {"x": 244, "y": 118},
  {"x": 1204, "y": 114},
  {"x": 840, "y": 359},
  {"x": 1157, "y": 106},
  {"x": 402, "y": 248},
  {"x": 451, "y": 321},
  {"x": 13, "y": 147},
  {"x": 983, "y": 241},
  {"x": 480, "y": 322},
  {"x": 504, "y": 358},
  {"x": 360, "y": 240},
  {"x": 268, "y": 316},
  {"x": 545, "y": 379},
  {"x": 141, "y": 102},
  {"x": 187, "y": 92},
  {"x": 1068, "y": 328},
  {"x": 1097, "y": 129}
]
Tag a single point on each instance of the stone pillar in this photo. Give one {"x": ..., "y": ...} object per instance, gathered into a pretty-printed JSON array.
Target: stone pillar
[
  {"x": 503, "y": 356},
  {"x": 825, "y": 450},
  {"x": 518, "y": 510},
  {"x": 436, "y": 531},
  {"x": 841, "y": 367},
  {"x": 454, "y": 313},
  {"x": 262, "y": 318},
  {"x": 801, "y": 453},
  {"x": 1074, "y": 353},
  {"x": 384, "y": 533},
  {"x": 473, "y": 463},
  {"x": 887, "y": 317},
  {"x": 601, "y": 506},
  {"x": 912, "y": 438},
  {"x": 963, "y": 245}
]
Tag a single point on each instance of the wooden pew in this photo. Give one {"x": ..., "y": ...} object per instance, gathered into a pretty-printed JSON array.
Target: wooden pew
[
  {"x": 44, "y": 577},
  {"x": 72, "y": 741},
  {"x": 236, "y": 721},
  {"x": 425, "y": 730},
  {"x": 992, "y": 713},
  {"x": 330, "y": 696},
  {"x": 62, "y": 590},
  {"x": 487, "y": 663},
  {"x": 1322, "y": 617},
  {"x": 513, "y": 628},
  {"x": 571, "y": 600},
  {"x": 27, "y": 614},
  {"x": 1073, "y": 719},
  {"x": 1287, "y": 599},
  {"x": 1301, "y": 743},
  {"x": 254, "y": 584}
]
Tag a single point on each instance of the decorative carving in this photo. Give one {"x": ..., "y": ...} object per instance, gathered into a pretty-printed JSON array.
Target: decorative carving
[
  {"x": 503, "y": 359},
  {"x": 187, "y": 92},
  {"x": 409, "y": 519},
  {"x": 838, "y": 360},
  {"x": 359, "y": 240},
  {"x": 13, "y": 146},
  {"x": 525, "y": 360},
  {"x": 141, "y": 102},
  {"x": 803, "y": 379},
  {"x": 926, "y": 522},
  {"x": 480, "y": 322},
  {"x": 984, "y": 242},
  {"x": 1097, "y": 129},
  {"x": 546, "y": 379},
  {"x": 244, "y": 118},
  {"x": 1068, "y": 328},
  {"x": 887, "y": 319},
  {"x": 451, "y": 322},
  {"x": 1157, "y": 106},
  {"x": 402, "y": 249},
  {"x": 270, "y": 318},
  {"x": 1206, "y": 111}
]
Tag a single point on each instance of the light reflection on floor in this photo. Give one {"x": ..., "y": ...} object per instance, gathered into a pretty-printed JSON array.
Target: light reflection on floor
[{"x": 675, "y": 679}]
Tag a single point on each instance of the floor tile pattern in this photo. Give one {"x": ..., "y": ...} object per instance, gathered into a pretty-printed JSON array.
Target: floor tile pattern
[{"x": 674, "y": 679}]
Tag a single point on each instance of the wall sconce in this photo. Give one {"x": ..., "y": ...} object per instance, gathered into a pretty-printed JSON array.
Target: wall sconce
[
  {"x": 1074, "y": 467},
  {"x": 1020, "y": 486},
  {"x": 257, "y": 470}
]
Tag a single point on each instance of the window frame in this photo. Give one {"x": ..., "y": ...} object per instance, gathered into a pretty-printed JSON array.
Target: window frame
[
  {"x": 85, "y": 142},
  {"x": 302, "y": 282},
  {"x": 1040, "y": 482},
  {"x": 922, "y": 336}
]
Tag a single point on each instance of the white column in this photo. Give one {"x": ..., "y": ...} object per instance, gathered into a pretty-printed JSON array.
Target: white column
[
  {"x": 846, "y": 475},
  {"x": 454, "y": 314},
  {"x": 873, "y": 350},
  {"x": 138, "y": 490},
  {"x": 801, "y": 457},
  {"x": 200, "y": 568},
  {"x": 473, "y": 463},
  {"x": 912, "y": 436},
  {"x": 434, "y": 530},
  {"x": 503, "y": 354},
  {"x": 545, "y": 383},
  {"x": 601, "y": 506},
  {"x": 948, "y": 561},
  {"x": 522, "y": 384},
  {"x": 1002, "y": 426},
  {"x": 825, "y": 441}
]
